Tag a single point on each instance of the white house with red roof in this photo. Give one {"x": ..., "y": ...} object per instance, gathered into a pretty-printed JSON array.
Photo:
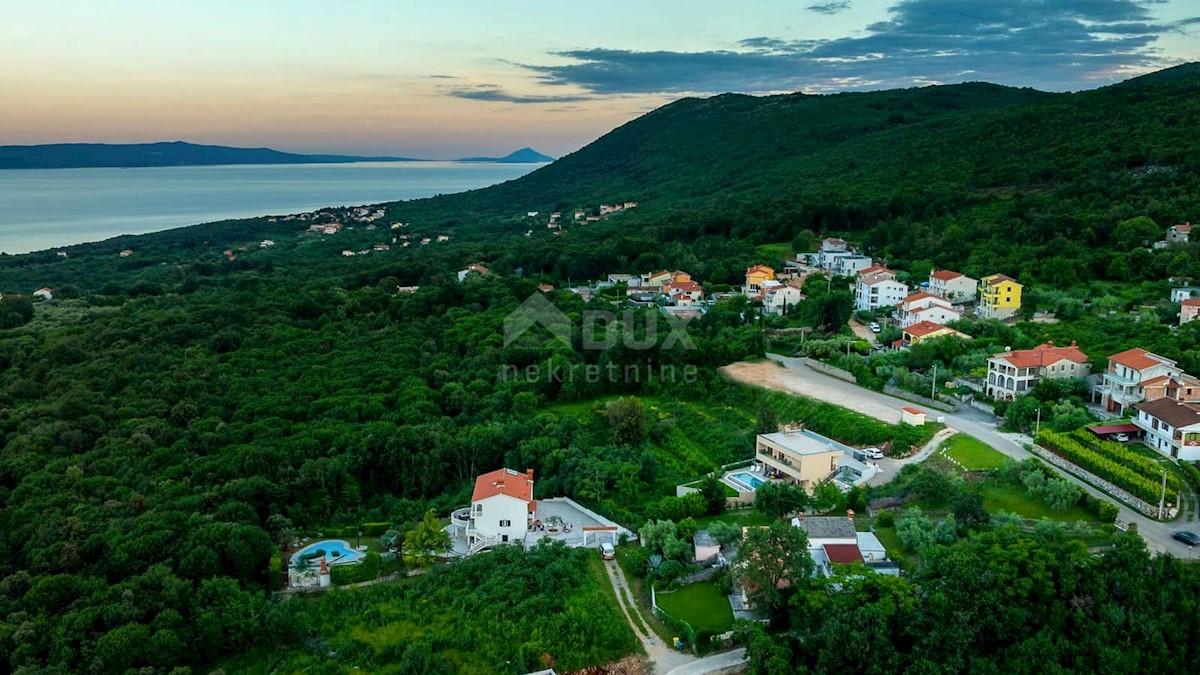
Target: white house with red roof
[
  {"x": 1015, "y": 373},
  {"x": 1179, "y": 234},
  {"x": 502, "y": 508},
  {"x": 953, "y": 286},
  {"x": 779, "y": 298},
  {"x": 1170, "y": 427},
  {"x": 1136, "y": 375},
  {"x": 924, "y": 306},
  {"x": 1188, "y": 310},
  {"x": 876, "y": 287}
]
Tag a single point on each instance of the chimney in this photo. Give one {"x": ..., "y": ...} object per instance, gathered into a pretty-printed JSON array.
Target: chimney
[
  {"x": 850, "y": 515},
  {"x": 529, "y": 474},
  {"x": 800, "y": 516}
]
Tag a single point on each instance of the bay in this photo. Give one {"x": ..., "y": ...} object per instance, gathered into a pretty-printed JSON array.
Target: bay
[{"x": 47, "y": 208}]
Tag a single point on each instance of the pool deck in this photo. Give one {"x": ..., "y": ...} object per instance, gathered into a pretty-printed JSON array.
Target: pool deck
[{"x": 742, "y": 488}]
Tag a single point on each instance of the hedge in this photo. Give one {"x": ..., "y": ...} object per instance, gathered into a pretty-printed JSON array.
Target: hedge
[
  {"x": 275, "y": 572},
  {"x": 368, "y": 569},
  {"x": 1119, "y": 466}
]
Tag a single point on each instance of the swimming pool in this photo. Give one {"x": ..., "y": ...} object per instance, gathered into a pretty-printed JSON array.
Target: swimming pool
[
  {"x": 747, "y": 479},
  {"x": 337, "y": 552}
]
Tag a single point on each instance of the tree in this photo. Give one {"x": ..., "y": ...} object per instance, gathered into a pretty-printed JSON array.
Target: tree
[
  {"x": 776, "y": 563},
  {"x": 779, "y": 498},
  {"x": 686, "y": 529},
  {"x": 713, "y": 491},
  {"x": 915, "y": 531},
  {"x": 426, "y": 541},
  {"x": 968, "y": 510},
  {"x": 767, "y": 422},
  {"x": 724, "y": 533},
  {"x": 628, "y": 419},
  {"x": 827, "y": 497},
  {"x": 654, "y": 533}
]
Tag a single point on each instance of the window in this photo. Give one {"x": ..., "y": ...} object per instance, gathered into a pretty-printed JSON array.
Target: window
[
  {"x": 506, "y": 523},
  {"x": 478, "y": 509}
]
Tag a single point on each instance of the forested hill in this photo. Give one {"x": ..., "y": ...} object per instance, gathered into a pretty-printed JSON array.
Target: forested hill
[{"x": 175, "y": 153}]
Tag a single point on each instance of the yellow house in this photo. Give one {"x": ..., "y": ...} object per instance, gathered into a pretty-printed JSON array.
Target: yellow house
[
  {"x": 799, "y": 456},
  {"x": 756, "y": 276},
  {"x": 999, "y": 297}
]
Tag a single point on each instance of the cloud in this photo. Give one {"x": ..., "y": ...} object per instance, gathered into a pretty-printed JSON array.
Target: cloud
[
  {"x": 495, "y": 93},
  {"x": 1050, "y": 45},
  {"x": 830, "y": 7}
]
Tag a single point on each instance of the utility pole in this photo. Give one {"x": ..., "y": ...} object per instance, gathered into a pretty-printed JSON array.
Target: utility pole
[
  {"x": 1037, "y": 427},
  {"x": 933, "y": 389},
  {"x": 1163, "y": 498}
]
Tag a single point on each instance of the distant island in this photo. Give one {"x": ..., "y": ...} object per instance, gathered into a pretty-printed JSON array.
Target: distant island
[
  {"x": 180, "y": 153},
  {"x": 522, "y": 156}
]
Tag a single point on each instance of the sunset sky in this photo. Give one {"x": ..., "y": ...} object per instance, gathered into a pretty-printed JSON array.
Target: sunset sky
[{"x": 456, "y": 77}]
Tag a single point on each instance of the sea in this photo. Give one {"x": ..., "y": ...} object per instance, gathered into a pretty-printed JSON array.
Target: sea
[{"x": 49, "y": 208}]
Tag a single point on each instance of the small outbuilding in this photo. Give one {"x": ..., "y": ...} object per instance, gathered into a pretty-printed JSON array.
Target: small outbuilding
[{"x": 913, "y": 416}]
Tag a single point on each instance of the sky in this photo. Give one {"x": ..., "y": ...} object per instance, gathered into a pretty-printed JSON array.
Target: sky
[{"x": 448, "y": 78}]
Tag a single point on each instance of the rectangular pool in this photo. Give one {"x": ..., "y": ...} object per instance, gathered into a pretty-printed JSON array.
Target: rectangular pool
[{"x": 747, "y": 479}]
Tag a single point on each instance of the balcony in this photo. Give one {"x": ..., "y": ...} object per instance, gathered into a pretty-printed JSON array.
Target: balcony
[{"x": 462, "y": 518}]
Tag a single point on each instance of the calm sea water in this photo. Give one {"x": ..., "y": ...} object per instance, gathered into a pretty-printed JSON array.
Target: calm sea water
[{"x": 42, "y": 209}]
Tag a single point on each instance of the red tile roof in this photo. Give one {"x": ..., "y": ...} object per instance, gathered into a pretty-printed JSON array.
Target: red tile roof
[
  {"x": 1171, "y": 411},
  {"x": 1044, "y": 355},
  {"x": 997, "y": 278},
  {"x": 945, "y": 275},
  {"x": 923, "y": 328},
  {"x": 872, "y": 269},
  {"x": 1136, "y": 358},
  {"x": 1191, "y": 302},
  {"x": 504, "y": 482},
  {"x": 759, "y": 268},
  {"x": 843, "y": 553},
  {"x": 1186, "y": 227},
  {"x": 913, "y": 411}
]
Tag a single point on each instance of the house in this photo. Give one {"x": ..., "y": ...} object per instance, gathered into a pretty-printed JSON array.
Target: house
[
  {"x": 407, "y": 290},
  {"x": 928, "y": 330},
  {"x": 849, "y": 265},
  {"x": 833, "y": 244},
  {"x": 1015, "y": 373},
  {"x": 1179, "y": 234},
  {"x": 953, "y": 286},
  {"x": 834, "y": 540},
  {"x": 1189, "y": 310},
  {"x": 443, "y": 237},
  {"x": 266, "y": 243},
  {"x": 631, "y": 281},
  {"x": 126, "y": 253},
  {"x": 1181, "y": 293},
  {"x": 755, "y": 276},
  {"x": 332, "y": 228},
  {"x": 381, "y": 247},
  {"x": 912, "y": 416},
  {"x": 655, "y": 280},
  {"x": 877, "y": 287},
  {"x": 502, "y": 508},
  {"x": 477, "y": 268},
  {"x": 1170, "y": 427},
  {"x": 348, "y": 253},
  {"x": 1136, "y": 375},
  {"x": 61, "y": 254},
  {"x": 44, "y": 294},
  {"x": 922, "y": 306},
  {"x": 780, "y": 298},
  {"x": 684, "y": 292},
  {"x": 580, "y": 214},
  {"x": 999, "y": 297},
  {"x": 630, "y": 205},
  {"x": 798, "y": 457}
]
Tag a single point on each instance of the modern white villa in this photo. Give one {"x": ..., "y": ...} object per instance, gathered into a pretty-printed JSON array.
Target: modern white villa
[{"x": 503, "y": 511}]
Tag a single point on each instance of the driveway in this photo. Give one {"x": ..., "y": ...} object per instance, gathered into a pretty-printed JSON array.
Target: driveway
[
  {"x": 731, "y": 661},
  {"x": 664, "y": 658},
  {"x": 798, "y": 378}
]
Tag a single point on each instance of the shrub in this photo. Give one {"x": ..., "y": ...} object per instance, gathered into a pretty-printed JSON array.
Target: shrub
[
  {"x": 885, "y": 519},
  {"x": 368, "y": 569},
  {"x": 1113, "y": 462},
  {"x": 275, "y": 571},
  {"x": 375, "y": 529}
]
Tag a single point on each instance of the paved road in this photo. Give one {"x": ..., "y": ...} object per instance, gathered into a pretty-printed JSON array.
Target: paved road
[
  {"x": 664, "y": 658},
  {"x": 801, "y": 379},
  {"x": 725, "y": 661}
]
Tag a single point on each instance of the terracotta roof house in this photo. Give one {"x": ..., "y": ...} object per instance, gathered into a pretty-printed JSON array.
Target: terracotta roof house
[
  {"x": 1015, "y": 373},
  {"x": 1128, "y": 375},
  {"x": 1188, "y": 310},
  {"x": 953, "y": 286}
]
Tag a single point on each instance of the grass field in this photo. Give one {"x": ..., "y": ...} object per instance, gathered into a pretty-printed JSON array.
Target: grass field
[
  {"x": 973, "y": 453},
  {"x": 772, "y": 255},
  {"x": 887, "y": 537},
  {"x": 743, "y": 517},
  {"x": 1014, "y": 499},
  {"x": 702, "y": 605}
]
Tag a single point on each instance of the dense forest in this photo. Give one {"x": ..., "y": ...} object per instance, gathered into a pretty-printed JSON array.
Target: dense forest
[{"x": 173, "y": 416}]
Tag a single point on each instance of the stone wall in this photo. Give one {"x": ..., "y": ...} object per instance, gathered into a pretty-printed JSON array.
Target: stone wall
[
  {"x": 1129, "y": 500},
  {"x": 917, "y": 398},
  {"x": 831, "y": 371}
]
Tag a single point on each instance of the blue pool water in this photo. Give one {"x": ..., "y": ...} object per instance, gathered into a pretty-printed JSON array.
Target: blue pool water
[
  {"x": 748, "y": 479},
  {"x": 337, "y": 552}
]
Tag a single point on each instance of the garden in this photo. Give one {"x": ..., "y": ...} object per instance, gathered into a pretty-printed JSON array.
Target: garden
[{"x": 1127, "y": 469}]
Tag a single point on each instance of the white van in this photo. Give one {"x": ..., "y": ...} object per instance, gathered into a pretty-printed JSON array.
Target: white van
[{"x": 607, "y": 551}]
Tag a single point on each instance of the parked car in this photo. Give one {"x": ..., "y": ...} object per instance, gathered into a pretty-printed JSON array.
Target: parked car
[
  {"x": 1121, "y": 438},
  {"x": 875, "y": 328},
  {"x": 607, "y": 551},
  {"x": 1189, "y": 538},
  {"x": 873, "y": 453}
]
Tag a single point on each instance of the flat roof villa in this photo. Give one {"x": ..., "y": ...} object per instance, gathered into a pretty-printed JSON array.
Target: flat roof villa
[{"x": 806, "y": 458}]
